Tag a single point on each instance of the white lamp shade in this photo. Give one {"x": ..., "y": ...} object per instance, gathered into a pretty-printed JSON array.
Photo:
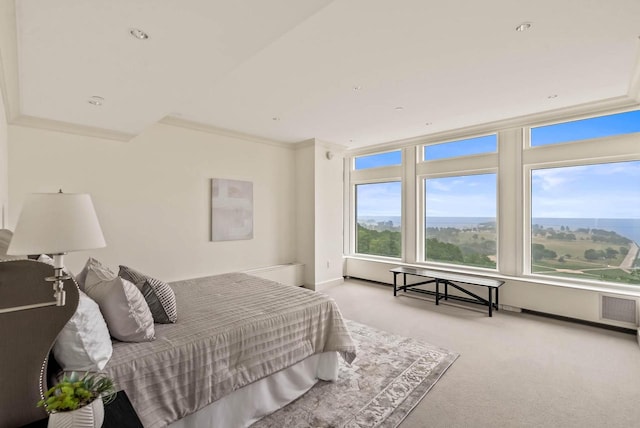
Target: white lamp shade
[{"x": 56, "y": 223}]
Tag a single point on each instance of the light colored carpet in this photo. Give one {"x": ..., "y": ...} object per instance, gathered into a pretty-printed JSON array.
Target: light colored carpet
[
  {"x": 514, "y": 370},
  {"x": 390, "y": 375}
]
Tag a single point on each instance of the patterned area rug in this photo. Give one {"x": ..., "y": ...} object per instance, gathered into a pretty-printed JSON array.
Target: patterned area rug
[{"x": 389, "y": 377}]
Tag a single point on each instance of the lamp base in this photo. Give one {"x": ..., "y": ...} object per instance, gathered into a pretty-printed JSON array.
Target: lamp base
[{"x": 58, "y": 279}]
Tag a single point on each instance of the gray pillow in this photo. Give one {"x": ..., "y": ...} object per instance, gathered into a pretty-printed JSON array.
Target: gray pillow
[
  {"x": 90, "y": 264},
  {"x": 123, "y": 306},
  {"x": 158, "y": 294}
]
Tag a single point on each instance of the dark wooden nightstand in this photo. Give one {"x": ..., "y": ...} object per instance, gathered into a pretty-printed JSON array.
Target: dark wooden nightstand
[{"x": 117, "y": 414}]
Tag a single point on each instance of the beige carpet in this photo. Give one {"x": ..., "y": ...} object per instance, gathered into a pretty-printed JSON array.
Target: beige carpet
[{"x": 514, "y": 370}]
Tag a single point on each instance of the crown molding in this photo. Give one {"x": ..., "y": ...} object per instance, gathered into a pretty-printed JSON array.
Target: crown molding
[
  {"x": 198, "y": 126},
  {"x": 332, "y": 146},
  {"x": 634, "y": 84},
  {"x": 535, "y": 119},
  {"x": 311, "y": 142},
  {"x": 70, "y": 128}
]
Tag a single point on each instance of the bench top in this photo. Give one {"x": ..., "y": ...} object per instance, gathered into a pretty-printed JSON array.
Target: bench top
[{"x": 457, "y": 277}]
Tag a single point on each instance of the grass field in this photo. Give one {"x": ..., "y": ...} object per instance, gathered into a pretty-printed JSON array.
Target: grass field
[{"x": 569, "y": 260}]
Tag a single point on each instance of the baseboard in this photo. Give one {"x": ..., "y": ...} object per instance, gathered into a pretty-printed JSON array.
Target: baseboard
[
  {"x": 329, "y": 283},
  {"x": 584, "y": 322},
  {"x": 288, "y": 273}
]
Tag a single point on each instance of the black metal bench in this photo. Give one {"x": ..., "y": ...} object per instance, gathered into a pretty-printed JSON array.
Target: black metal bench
[{"x": 448, "y": 279}]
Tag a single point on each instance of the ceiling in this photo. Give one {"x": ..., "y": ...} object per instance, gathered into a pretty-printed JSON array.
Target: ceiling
[{"x": 350, "y": 72}]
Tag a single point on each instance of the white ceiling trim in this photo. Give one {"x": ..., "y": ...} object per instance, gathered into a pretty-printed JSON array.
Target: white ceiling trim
[
  {"x": 70, "y": 128},
  {"x": 197, "y": 126}
]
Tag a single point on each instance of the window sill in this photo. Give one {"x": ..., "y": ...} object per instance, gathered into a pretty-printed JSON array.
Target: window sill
[{"x": 627, "y": 290}]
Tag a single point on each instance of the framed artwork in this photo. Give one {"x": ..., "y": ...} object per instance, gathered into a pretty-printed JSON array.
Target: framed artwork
[{"x": 231, "y": 210}]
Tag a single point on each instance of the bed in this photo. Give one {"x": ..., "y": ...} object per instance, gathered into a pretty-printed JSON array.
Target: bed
[{"x": 242, "y": 348}]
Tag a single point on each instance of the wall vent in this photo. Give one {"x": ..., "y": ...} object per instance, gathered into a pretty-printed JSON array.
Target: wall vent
[{"x": 619, "y": 309}]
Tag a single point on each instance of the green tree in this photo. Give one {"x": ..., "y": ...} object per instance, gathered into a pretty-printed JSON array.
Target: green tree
[
  {"x": 537, "y": 252},
  {"x": 384, "y": 243},
  {"x": 611, "y": 253},
  {"x": 592, "y": 254},
  {"x": 443, "y": 251}
]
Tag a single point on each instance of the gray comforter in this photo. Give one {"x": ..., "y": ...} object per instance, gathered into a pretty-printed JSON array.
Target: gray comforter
[{"x": 232, "y": 329}]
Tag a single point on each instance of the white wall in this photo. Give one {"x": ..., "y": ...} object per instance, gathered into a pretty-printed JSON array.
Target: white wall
[
  {"x": 4, "y": 167},
  {"x": 305, "y": 210},
  {"x": 328, "y": 214},
  {"x": 152, "y": 195},
  {"x": 319, "y": 212}
]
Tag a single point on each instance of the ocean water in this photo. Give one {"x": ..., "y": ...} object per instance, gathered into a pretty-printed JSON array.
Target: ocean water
[{"x": 627, "y": 227}]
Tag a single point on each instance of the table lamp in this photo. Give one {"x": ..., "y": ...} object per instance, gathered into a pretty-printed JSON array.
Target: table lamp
[{"x": 55, "y": 224}]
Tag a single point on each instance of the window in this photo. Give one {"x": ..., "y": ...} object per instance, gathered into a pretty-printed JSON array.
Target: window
[
  {"x": 596, "y": 127},
  {"x": 585, "y": 222},
  {"x": 378, "y": 160},
  {"x": 460, "y": 220},
  {"x": 471, "y": 146},
  {"x": 378, "y": 219}
]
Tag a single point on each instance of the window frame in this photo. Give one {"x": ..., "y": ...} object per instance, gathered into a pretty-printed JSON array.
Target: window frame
[
  {"x": 527, "y": 226},
  {"x": 512, "y": 163},
  {"x": 420, "y": 226},
  {"x": 354, "y": 225}
]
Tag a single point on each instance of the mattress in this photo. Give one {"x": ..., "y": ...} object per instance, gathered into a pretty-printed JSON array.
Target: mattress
[{"x": 232, "y": 330}]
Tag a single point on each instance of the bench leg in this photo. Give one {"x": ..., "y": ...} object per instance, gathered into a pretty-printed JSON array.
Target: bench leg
[
  {"x": 497, "y": 299},
  {"x": 437, "y": 292},
  {"x": 490, "y": 301},
  {"x": 395, "y": 284}
]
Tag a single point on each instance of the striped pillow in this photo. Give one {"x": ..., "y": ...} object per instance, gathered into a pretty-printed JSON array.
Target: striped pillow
[{"x": 158, "y": 295}]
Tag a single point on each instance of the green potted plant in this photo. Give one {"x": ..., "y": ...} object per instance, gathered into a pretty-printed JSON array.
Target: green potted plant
[{"x": 78, "y": 400}]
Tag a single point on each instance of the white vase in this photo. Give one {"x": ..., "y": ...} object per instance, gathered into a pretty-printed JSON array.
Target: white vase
[{"x": 89, "y": 416}]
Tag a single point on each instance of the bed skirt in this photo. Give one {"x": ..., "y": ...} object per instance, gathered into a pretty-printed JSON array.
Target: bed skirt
[{"x": 248, "y": 404}]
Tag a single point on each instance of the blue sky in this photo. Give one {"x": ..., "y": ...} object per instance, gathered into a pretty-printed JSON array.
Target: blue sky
[
  {"x": 591, "y": 191},
  {"x": 615, "y": 124},
  {"x": 463, "y": 196},
  {"x": 379, "y": 199},
  {"x": 471, "y": 146}
]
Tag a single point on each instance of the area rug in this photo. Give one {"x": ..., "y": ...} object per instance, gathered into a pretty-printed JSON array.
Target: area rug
[{"x": 389, "y": 377}]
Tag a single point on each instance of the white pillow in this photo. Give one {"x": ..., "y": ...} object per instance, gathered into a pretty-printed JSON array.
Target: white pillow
[
  {"x": 123, "y": 306},
  {"x": 84, "y": 343}
]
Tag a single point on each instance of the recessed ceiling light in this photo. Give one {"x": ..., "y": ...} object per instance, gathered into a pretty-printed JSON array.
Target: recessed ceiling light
[
  {"x": 138, "y": 34},
  {"x": 524, "y": 26},
  {"x": 96, "y": 100},
  {"x": 399, "y": 108},
  {"x": 552, "y": 96}
]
